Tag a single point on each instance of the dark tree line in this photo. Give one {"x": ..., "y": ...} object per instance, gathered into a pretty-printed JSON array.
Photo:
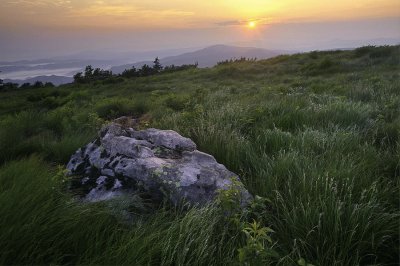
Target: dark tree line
[
  {"x": 1, "y": 83},
  {"x": 144, "y": 71},
  {"x": 157, "y": 68},
  {"x": 91, "y": 74},
  {"x": 236, "y": 60},
  {"x": 173, "y": 68},
  {"x": 37, "y": 84},
  {"x": 27, "y": 85}
]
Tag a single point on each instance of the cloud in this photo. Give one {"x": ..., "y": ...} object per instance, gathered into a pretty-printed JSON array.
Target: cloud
[
  {"x": 229, "y": 23},
  {"x": 259, "y": 21},
  {"x": 125, "y": 10},
  {"x": 88, "y": 13},
  {"x": 39, "y": 3}
]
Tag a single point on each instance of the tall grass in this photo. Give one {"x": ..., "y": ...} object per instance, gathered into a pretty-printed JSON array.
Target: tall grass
[
  {"x": 51, "y": 228},
  {"x": 317, "y": 134},
  {"x": 330, "y": 192}
]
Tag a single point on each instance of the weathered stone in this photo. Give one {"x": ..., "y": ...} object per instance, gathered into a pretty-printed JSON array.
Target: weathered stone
[
  {"x": 165, "y": 138},
  {"x": 161, "y": 163}
]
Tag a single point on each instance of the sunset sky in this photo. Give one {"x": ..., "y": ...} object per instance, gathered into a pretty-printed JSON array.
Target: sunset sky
[{"x": 35, "y": 27}]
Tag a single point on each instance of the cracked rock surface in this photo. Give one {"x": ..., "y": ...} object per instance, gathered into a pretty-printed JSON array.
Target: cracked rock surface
[{"x": 159, "y": 163}]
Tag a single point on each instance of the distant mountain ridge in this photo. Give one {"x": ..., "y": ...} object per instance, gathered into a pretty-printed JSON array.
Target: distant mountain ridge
[{"x": 207, "y": 57}]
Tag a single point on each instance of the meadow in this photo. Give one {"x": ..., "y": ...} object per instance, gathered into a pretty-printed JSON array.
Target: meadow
[{"x": 317, "y": 135}]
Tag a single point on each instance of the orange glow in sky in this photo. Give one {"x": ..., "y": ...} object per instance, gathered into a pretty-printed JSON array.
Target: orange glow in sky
[
  {"x": 153, "y": 14},
  {"x": 39, "y": 28}
]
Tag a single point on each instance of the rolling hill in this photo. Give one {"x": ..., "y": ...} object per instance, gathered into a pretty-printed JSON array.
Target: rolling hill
[{"x": 207, "y": 57}]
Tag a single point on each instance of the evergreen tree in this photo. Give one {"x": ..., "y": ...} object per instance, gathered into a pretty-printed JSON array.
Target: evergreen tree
[
  {"x": 49, "y": 84},
  {"x": 26, "y": 85},
  {"x": 97, "y": 72},
  {"x": 157, "y": 65},
  {"x": 146, "y": 70},
  {"x": 10, "y": 86},
  {"x": 88, "y": 72},
  {"x": 130, "y": 73},
  {"x": 38, "y": 84},
  {"x": 78, "y": 78}
]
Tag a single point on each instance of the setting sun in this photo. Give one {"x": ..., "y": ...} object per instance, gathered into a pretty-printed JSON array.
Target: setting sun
[{"x": 251, "y": 24}]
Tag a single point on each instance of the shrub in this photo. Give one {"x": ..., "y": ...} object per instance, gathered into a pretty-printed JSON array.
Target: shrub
[
  {"x": 361, "y": 51},
  {"x": 16, "y": 132},
  {"x": 256, "y": 250},
  {"x": 113, "y": 108},
  {"x": 382, "y": 51},
  {"x": 314, "y": 55},
  {"x": 176, "y": 102},
  {"x": 113, "y": 80},
  {"x": 41, "y": 95},
  {"x": 323, "y": 66},
  {"x": 50, "y": 102}
]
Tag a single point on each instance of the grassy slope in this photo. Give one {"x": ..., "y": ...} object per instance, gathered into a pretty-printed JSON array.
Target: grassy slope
[{"x": 316, "y": 133}]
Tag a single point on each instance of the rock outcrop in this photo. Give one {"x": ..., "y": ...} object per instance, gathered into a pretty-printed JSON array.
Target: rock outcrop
[{"x": 159, "y": 163}]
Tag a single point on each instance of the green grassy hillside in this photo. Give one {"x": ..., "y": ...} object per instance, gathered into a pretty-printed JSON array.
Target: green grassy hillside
[{"x": 317, "y": 134}]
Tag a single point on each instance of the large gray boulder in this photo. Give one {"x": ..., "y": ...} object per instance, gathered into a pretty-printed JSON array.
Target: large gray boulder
[{"x": 158, "y": 163}]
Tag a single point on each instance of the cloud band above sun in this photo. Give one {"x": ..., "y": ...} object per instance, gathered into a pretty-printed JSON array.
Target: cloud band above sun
[
  {"x": 248, "y": 22},
  {"x": 185, "y": 14}
]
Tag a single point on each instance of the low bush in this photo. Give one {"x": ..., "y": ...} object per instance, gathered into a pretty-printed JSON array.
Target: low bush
[
  {"x": 176, "y": 102},
  {"x": 16, "y": 132},
  {"x": 382, "y": 51},
  {"x": 361, "y": 51},
  {"x": 113, "y": 108},
  {"x": 323, "y": 66}
]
